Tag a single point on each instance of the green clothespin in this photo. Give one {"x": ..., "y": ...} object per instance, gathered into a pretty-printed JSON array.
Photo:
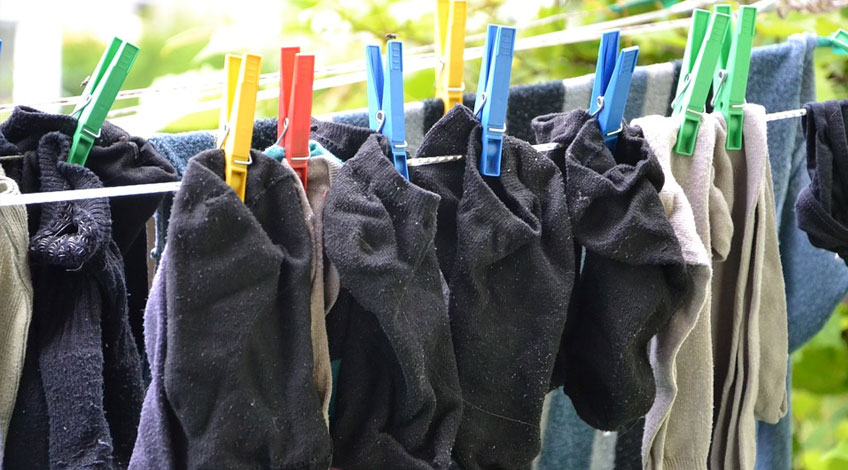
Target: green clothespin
[
  {"x": 721, "y": 66},
  {"x": 98, "y": 96},
  {"x": 731, "y": 78},
  {"x": 692, "y": 93},
  {"x": 697, "y": 32}
]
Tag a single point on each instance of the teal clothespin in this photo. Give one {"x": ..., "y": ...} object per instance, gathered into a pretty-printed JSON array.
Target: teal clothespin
[
  {"x": 613, "y": 74},
  {"x": 838, "y": 41},
  {"x": 493, "y": 93},
  {"x": 98, "y": 96},
  {"x": 731, "y": 79},
  {"x": 385, "y": 99},
  {"x": 692, "y": 92}
]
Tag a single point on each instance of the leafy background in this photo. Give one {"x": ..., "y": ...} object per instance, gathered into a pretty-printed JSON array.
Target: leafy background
[{"x": 181, "y": 42}]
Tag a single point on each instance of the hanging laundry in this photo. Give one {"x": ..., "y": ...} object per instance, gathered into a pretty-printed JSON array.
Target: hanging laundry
[
  {"x": 819, "y": 206},
  {"x": 324, "y": 274},
  {"x": 325, "y": 278},
  {"x": 678, "y": 427},
  {"x": 16, "y": 290},
  {"x": 235, "y": 384},
  {"x": 632, "y": 268},
  {"x": 321, "y": 373},
  {"x": 781, "y": 78},
  {"x": 398, "y": 399},
  {"x": 80, "y": 344},
  {"x": 749, "y": 303},
  {"x": 120, "y": 160},
  {"x": 504, "y": 245}
]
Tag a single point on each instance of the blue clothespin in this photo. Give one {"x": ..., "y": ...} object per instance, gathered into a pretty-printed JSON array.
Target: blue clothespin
[
  {"x": 385, "y": 99},
  {"x": 492, "y": 95},
  {"x": 612, "y": 84}
]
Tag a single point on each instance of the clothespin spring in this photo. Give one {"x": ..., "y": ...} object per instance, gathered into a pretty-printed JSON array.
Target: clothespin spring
[
  {"x": 479, "y": 107},
  {"x": 381, "y": 119},
  {"x": 722, "y": 79},
  {"x": 280, "y": 140},
  {"x": 82, "y": 106},
  {"x": 600, "y": 101},
  {"x": 687, "y": 80},
  {"x": 225, "y": 131}
]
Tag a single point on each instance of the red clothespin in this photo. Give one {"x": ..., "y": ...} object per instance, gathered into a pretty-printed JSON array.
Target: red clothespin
[{"x": 297, "y": 73}]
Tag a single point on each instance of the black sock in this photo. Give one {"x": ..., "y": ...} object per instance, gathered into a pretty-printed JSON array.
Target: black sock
[
  {"x": 78, "y": 285},
  {"x": 398, "y": 402},
  {"x": 821, "y": 206},
  {"x": 122, "y": 160},
  {"x": 238, "y": 368},
  {"x": 341, "y": 140},
  {"x": 506, "y": 250},
  {"x": 633, "y": 275}
]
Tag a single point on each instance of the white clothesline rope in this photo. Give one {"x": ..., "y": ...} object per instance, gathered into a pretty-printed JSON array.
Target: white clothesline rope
[
  {"x": 792, "y": 113},
  {"x": 354, "y": 72},
  {"x": 7, "y": 200}
]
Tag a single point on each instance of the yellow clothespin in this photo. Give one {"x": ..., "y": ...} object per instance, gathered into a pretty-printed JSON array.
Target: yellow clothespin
[
  {"x": 450, "y": 45},
  {"x": 237, "y": 117}
]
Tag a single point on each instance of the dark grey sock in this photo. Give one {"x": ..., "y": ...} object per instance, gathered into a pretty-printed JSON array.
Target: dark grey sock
[
  {"x": 238, "y": 367},
  {"x": 633, "y": 275},
  {"x": 505, "y": 247},
  {"x": 398, "y": 402},
  {"x": 822, "y": 207}
]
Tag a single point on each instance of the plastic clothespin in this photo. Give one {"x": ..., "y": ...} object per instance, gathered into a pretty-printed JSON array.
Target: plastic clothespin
[
  {"x": 99, "y": 94},
  {"x": 838, "y": 41},
  {"x": 450, "y": 45},
  {"x": 287, "y": 56},
  {"x": 694, "y": 86},
  {"x": 385, "y": 99},
  {"x": 611, "y": 86},
  {"x": 492, "y": 95},
  {"x": 731, "y": 79},
  {"x": 697, "y": 32},
  {"x": 237, "y": 117},
  {"x": 297, "y": 74}
]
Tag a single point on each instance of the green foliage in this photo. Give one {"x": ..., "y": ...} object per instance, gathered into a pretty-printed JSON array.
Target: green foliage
[
  {"x": 820, "y": 398},
  {"x": 176, "y": 42}
]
